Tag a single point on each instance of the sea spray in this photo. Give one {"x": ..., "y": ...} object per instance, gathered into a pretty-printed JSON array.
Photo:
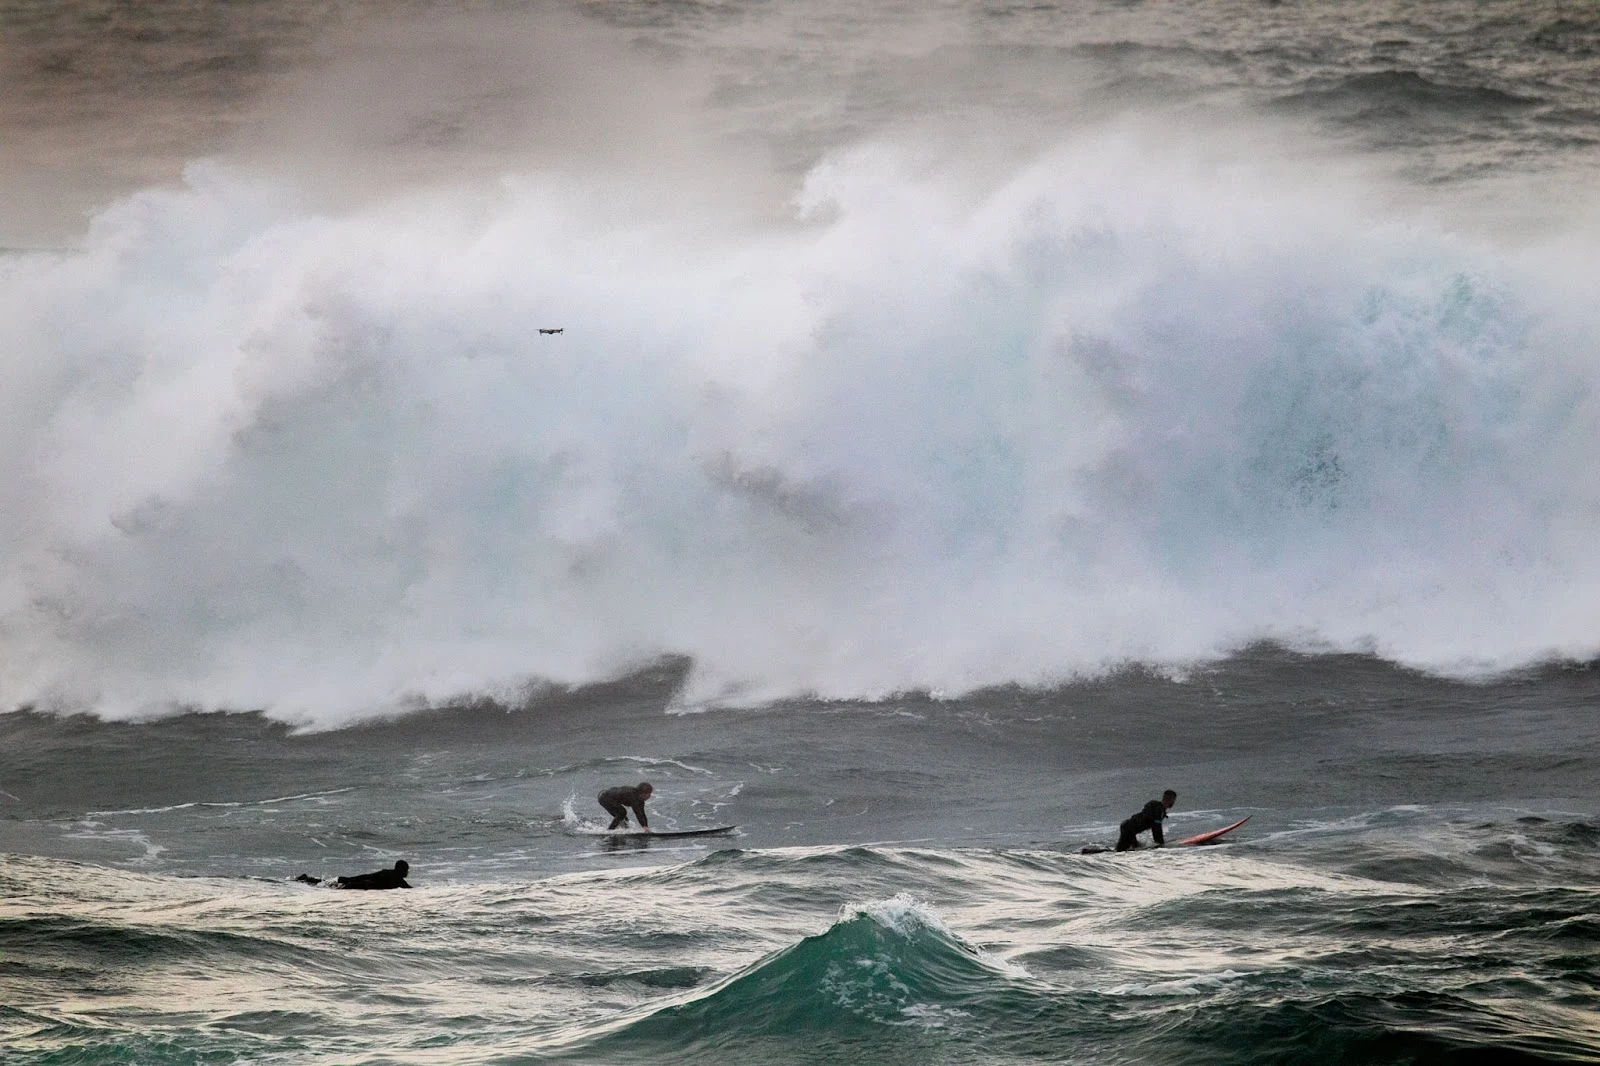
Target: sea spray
[{"x": 1121, "y": 404}]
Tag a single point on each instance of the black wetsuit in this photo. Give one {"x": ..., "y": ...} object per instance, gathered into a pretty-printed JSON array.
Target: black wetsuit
[
  {"x": 617, "y": 800},
  {"x": 380, "y": 879},
  {"x": 1149, "y": 817}
]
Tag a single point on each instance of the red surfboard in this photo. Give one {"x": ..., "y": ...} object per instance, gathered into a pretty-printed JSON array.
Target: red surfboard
[{"x": 1207, "y": 838}]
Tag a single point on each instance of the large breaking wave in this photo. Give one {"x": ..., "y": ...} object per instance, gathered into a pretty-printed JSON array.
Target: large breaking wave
[{"x": 932, "y": 432}]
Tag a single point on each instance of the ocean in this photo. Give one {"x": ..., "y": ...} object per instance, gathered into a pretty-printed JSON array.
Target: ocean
[{"x": 965, "y": 421}]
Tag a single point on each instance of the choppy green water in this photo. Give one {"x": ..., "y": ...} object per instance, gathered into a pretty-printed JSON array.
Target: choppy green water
[{"x": 1409, "y": 937}]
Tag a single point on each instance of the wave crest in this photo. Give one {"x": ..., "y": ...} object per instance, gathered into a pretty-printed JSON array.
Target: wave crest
[{"x": 889, "y": 965}]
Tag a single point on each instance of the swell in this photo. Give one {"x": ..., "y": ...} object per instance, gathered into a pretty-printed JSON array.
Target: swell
[
  {"x": 1250, "y": 953},
  {"x": 1408, "y": 1028},
  {"x": 886, "y": 968},
  {"x": 1411, "y": 92},
  {"x": 117, "y": 948},
  {"x": 889, "y": 982}
]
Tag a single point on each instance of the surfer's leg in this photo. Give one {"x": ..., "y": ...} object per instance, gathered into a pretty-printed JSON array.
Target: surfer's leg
[
  {"x": 619, "y": 814},
  {"x": 1129, "y": 839}
]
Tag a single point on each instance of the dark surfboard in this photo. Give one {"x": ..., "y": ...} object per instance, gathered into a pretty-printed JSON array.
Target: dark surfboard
[{"x": 638, "y": 835}]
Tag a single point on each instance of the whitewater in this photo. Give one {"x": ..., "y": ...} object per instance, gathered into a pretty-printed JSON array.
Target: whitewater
[
  {"x": 1139, "y": 395},
  {"x": 961, "y": 422}
]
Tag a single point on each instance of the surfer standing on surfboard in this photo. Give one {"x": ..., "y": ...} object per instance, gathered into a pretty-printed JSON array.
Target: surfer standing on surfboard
[
  {"x": 617, "y": 800},
  {"x": 1150, "y": 817}
]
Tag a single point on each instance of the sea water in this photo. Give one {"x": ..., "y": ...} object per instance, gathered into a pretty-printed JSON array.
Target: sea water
[{"x": 969, "y": 420}]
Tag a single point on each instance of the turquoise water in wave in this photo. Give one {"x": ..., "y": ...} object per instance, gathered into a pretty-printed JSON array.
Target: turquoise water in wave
[{"x": 1406, "y": 937}]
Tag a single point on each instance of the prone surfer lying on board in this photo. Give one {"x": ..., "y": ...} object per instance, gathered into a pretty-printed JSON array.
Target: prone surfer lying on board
[
  {"x": 1150, "y": 817},
  {"x": 395, "y": 878},
  {"x": 617, "y": 800}
]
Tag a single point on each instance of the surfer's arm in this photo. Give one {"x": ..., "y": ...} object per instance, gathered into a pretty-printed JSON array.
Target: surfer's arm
[
  {"x": 1155, "y": 835},
  {"x": 638, "y": 812}
]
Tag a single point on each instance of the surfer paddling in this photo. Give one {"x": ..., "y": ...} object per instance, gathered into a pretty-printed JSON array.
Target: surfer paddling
[
  {"x": 617, "y": 800},
  {"x": 1149, "y": 819},
  {"x": 395, "y": 878}
]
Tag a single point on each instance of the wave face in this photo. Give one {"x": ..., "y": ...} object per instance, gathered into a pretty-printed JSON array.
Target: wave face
[
  {"x": 891, "y": 963},
  {"x": 984, "y": 378}
]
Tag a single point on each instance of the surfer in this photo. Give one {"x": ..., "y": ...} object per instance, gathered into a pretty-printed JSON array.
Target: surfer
[
  {"x": 395, "y": 878},
  {"x": 1150, "y": 817},
  {"x": 617, "y": 800}
]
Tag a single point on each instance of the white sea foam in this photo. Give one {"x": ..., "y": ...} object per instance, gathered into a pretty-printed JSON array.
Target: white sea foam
[
  {"x": 94, "y": 831},
  {"x": 907, "y": 916},
  {"x": 903, "y": 913},
  {"x": 221, "y": 803},
  {"x": 1125, "y": 402}
]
